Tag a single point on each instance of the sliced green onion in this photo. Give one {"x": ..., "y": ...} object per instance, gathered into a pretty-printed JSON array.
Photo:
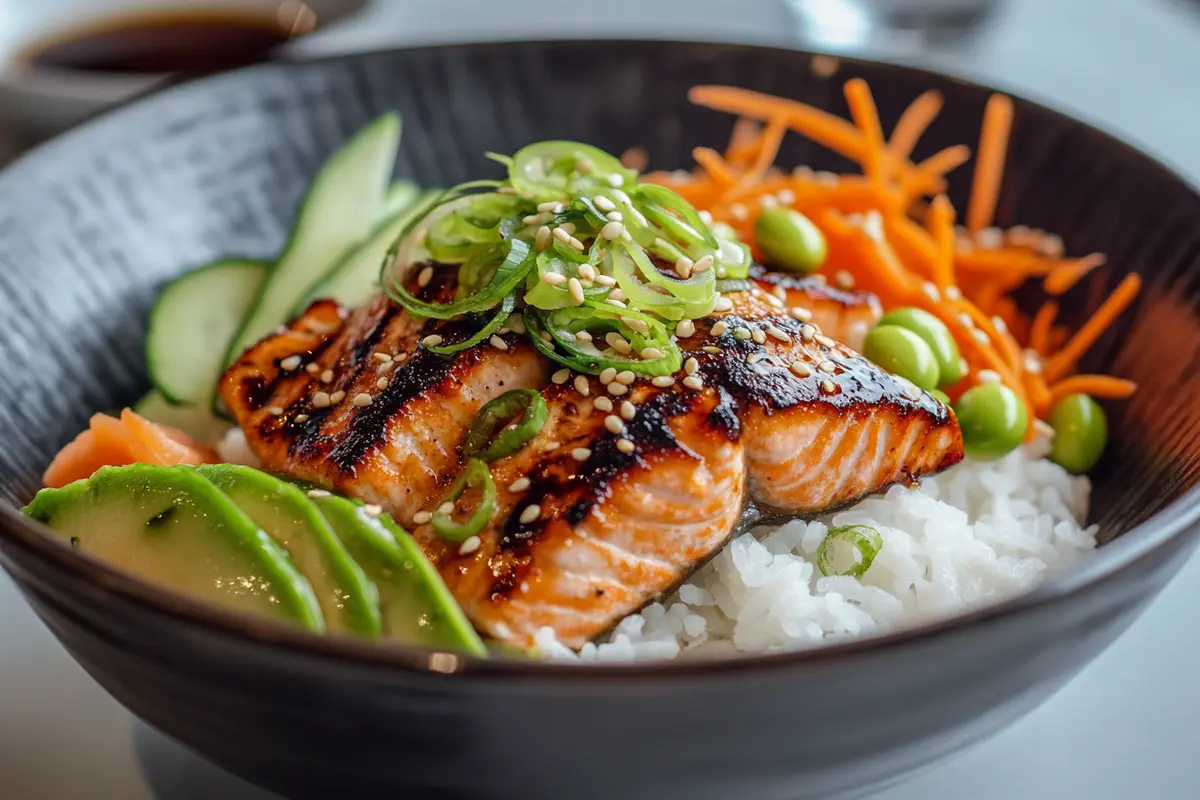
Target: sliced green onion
[
  {"x": 863, "y": 538},
  {"x": 490, "y": 439},
  {"x": 671, "y": 218},
  {"x": 494, "y": 324},
  {"x": 562, "y": 170},
  {"x": 499, "y": 158},
  {"x": 600, "y": 319},
  {"x": 549, "y": 297},
  {"x": 515, "y": 265},
  {"x": 726, "y": 285},
  {"x": 697, "y": 295},
  {"x": 475, "y": 476}
]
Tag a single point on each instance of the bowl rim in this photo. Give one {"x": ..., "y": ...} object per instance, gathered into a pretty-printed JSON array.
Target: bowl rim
[{"x": 1176, "y": 519}]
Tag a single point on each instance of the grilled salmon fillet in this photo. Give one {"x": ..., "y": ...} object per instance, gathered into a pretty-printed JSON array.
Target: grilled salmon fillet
[
  {"x": 627, "y": 488},
  {"x": 318, "y": 402}
]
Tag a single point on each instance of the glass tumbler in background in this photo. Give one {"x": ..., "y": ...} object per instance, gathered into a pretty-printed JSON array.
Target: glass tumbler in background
[{"x": 894, "y": 27}]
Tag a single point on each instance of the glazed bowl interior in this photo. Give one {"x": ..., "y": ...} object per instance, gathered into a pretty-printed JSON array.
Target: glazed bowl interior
[{"x": 94, "y": 223}]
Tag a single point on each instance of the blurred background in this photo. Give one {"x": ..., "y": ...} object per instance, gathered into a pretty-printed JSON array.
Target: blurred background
[{"x": 1127, "y": 727}]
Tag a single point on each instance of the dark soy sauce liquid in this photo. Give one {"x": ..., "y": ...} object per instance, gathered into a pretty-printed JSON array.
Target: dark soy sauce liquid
[{"x": 173, "y": 42}]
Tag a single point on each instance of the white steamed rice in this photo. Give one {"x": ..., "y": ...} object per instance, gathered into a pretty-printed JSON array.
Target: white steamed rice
[{"x": 974, "y": 535}]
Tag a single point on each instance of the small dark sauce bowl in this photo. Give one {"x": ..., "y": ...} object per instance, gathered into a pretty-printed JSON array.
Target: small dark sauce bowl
[{"x": 93, "y": 223}]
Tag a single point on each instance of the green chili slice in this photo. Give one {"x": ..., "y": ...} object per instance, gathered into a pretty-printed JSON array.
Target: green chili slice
[
  {"x": 490, "y": 439},
  {"x": 863, "y": 538},
  {"x": 475, "y": 476}
]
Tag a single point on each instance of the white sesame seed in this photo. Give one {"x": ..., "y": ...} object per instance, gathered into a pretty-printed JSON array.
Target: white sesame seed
[
  {"x": 300, "y": 418},
  {"x": 780, "y": 293},
  {"x": 536, "y": 219},
  {"x": 432, "y": 340},
  {"x": 321, "y": 400},
  {"x": 424, "y": 277},
  {"x": 581, "y": 454},
  {"x": 999, "y": 324},
  {"x": 551, "y": 206},
  {"x": 693, "y": 382},
  {"x": 613, "y": 424},
  {"x": 768, "y": 201},
  {"x": 786, "y": 196},
  {"x": 469, "y": 545},
  {"x": 931, "y": 291},
  {"x": 702, "y": 264},
  {"x": 828, "y": 386},
  {"x": 662, "y": 381},
  {"x": 685, "y": 328},
  {"x": 519, "y": 485},
  {"x": 606, "y": 280},
  {"x": 639, "y": 325},
  {"x": 587, "y": 272},
  {"x": 758, "y": 336},
  {"x": 383, "y": 357},
  {"x": 953, "y": 293},
  {"x": 620, "y": 195},
  {"x": 554, "y": 278},
  {"x": 530, "y": 513},
  {"x": 615, "y": 180},
  {"x": 327, "y": 376},
  {"x": 617, "y": 342},
  {"x": 988, "y": 376},
  {"x": 578, "y": 245},
  {"x": 801, "y": 369},
  {"x": 318, "y": 493},
  {"x": 773, "y": 300},
  {"x": 723, "y": 304},
  {"x": 608, "y": 375},
  {"x": 683, "y": 267},
  {"x": 742, "y": 333},
  {"x": 581, "y": 385},
  {"x": 827, "y": 366},
  {"x": 372, "y": 510},
  {"x": 616, "y": 388},
  {"x": 561, "y": 376},
  {"x": 381, "y": 384},
  {"x": 541, "y": 239},
  {"x": 843, "y": 279},
  {"x": 604, "y": 204},
  {"x": 276, "y": 411},
  {"x": 625, "y": 446},
  {"x": 825, "y": 340},
  {"x": 290, "y": 363},
  {"x": 612, "y": 230},
  {"x": 980, "y": 336},
  {"x": 576, "y": 290},
  {"x": 989, "y": 238},
  {"x": 826, "y": 178},
  {"x": 421, "y": 517},
  {"x": 583, "y": 336},
  {"x": 802, "y": 314},
  {"x": 1032, "y": 361},
  {"x": 312, "y": 368},
  {"x": 400, "y": 357},
  {"x": 616, "y": 216},
  {"x": 739, "y": 211},
  {"x": 617, "y": 294},
  {"x": 705, "y": 215},
  {"x": 498, "y": 343},
  {"x": 337, "y": 397},
  {"x": 649, "y": 353},
  {"x": 362, "y": 400},
  {"x": 776, "y": 333},
  {"x": 627, "y": 377},
  {"x": 616, "y": 303},
  {"x": 628, "y": 410},
  {"x": 807, "y": 332},
  {"x": 719, "y": 328},
  {"x": 690, "y": 366},
  {"x": 708, "y": 348},
  {"x": 561, "y": 234}
]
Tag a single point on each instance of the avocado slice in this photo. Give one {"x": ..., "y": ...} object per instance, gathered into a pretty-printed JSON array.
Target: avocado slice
[
  {"x": 349, "y": 599},
  {"x": 171, "y": 526},
  {"x": 417, "y": 606}
]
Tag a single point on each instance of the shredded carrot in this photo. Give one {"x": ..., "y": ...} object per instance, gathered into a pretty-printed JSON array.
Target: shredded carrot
[
  {"x": 1094, "y": 328},
  {"x": 915, "y": 120},
  {"x": 892, "y": 231},
  {"x": 989, "y": 164}
]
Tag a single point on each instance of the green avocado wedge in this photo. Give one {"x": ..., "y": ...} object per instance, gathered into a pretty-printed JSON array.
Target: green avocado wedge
[
  {"x": 349, "y": 599},
  {"x": 172, "y": 527},
  {"x": 417, "y": 607}
]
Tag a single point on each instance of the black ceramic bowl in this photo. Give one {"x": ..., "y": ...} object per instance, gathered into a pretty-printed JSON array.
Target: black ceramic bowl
[{"x": 93, "y": 223}]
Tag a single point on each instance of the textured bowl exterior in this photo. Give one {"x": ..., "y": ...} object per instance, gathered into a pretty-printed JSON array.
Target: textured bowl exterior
[{"x": 92, "y": 224}]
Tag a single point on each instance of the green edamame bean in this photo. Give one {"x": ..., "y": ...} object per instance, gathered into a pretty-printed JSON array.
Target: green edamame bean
[
  {"x": 1080, "y": 433},
  {"x": 936, "y": 335},
  {"x": 993, "y": 420},
  {"x": 940, "y": 396},
  {"x": 902, "y": 352},
  {"x": 790, "y": 241}
]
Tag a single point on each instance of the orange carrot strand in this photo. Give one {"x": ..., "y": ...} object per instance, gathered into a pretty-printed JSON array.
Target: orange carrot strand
[
  {"x": 989, "y": 164},
  {"x": 1093, "y": 329},
  {"x": 915, "y": 120}
]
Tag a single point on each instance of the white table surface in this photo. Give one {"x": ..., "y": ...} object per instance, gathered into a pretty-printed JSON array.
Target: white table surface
[{"x": 1128, "y": 727}]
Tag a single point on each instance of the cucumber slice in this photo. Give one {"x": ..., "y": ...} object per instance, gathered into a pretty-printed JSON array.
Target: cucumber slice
[
  {"x": 342, "y": 205},
  {"x": 191, "y": 325},
  {"x": 171, "y": 526},
  {"x": 417, "y": 607},
  {"x": 355, "y": 279},
  {"x": 196, "y": 421},
  {"x": 349, "y": 599}
]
